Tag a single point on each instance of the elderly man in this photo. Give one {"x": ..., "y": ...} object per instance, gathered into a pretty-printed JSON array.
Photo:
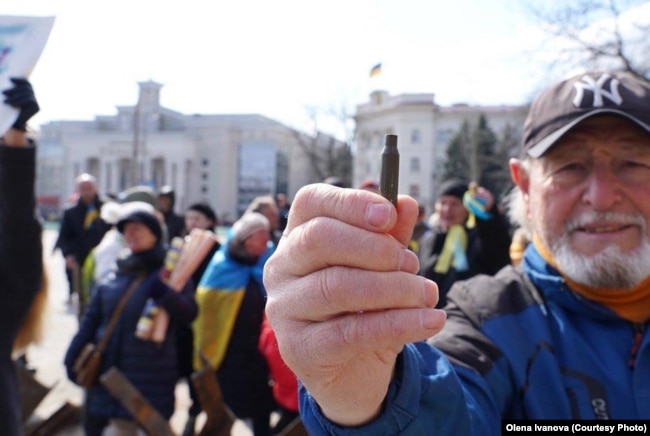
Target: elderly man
[
  {"x": 81, "y": 228},
  {"x": 563, "y": 336},
  {"x": 266, "y": 205}
]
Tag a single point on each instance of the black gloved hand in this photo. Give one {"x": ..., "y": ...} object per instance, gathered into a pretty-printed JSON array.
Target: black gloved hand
[{"x": 22, "y": 97}]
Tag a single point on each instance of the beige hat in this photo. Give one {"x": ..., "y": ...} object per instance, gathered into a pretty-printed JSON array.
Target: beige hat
[
  {"x": 111, "y": 212},
  {"x": 136, "y": 206},
  {"x": 248, "y": 224}
]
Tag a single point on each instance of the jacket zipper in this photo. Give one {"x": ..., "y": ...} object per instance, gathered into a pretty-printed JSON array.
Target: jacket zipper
[{"x": 636, "y": 344}]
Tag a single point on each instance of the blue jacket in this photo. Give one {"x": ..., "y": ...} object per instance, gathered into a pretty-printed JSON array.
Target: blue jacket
[
  {"x": 530, "y": 349},
  {"x": 150, "y": 367}
]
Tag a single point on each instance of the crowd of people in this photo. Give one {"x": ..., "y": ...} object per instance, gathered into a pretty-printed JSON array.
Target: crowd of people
[
  {"x": 377, "y": 319},
  {"x": 218, "y": 314},
  {"x": 221, "y": 314}
]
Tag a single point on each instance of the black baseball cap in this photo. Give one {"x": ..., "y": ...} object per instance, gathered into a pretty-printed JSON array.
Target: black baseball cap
[{"x": 561, "y": 107}]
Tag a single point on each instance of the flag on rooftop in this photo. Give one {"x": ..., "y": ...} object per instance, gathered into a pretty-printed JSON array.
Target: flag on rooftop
[{"x": 376, "y": 70}]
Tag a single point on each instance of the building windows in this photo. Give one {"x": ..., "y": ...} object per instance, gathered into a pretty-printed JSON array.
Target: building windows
[
  {"x": 414, "y": 165},
  {"x": 442, "y": 137},
  {"x": 108, "y": 178},
  {"x": 282, "y": 172},
  {"x": 124, "y": 122},
  {"x": 92, "y": 167},
  {"x": 124, "y": 174},
  {"x": 414, "y": 191},
  {"x": 257, "y": 165},
  {"x": 185, "y": 178},
  {"x": 415, "y": 136},
  {"x": 158, "y": 172}
]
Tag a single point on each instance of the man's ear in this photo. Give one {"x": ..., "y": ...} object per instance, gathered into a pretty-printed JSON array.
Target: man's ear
[{"x": 519, "y": 175}]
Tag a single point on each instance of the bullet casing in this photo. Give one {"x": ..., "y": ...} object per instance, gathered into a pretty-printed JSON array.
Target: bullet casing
[{"x": 389, "y": 179}]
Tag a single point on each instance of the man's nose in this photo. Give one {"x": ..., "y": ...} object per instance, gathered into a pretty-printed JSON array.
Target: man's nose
[{"x": 603, "y": 188}]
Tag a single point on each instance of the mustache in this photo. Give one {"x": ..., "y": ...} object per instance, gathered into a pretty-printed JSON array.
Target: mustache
[{"x": 594, "y": 218}]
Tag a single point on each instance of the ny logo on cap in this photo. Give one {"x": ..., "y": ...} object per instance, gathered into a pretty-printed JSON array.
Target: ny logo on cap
[{"x": 597, "y": 87}]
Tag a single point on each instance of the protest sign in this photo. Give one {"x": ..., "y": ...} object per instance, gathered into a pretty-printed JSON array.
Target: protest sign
[{"x": 22, "y": 40}]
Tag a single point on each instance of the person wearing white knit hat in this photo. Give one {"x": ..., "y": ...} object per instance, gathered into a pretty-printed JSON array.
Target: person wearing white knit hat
[{"x": 248, "y": 236}]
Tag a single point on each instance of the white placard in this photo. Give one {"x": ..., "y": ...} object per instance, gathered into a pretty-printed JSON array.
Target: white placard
[{"x": 22, "y": 40}]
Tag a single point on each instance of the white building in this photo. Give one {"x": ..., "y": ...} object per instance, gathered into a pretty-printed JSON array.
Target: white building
[
  {"x": 225, "y": 160},
  {"x": 424, "y": 130}
]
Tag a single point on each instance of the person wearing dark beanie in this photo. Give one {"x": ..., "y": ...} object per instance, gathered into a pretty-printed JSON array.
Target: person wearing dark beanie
[
  {"x": 152, "y": 367},
  {"x": 206, "y": 210},
  {"x": 469, "y": 236},
  {"x": 198, "y": 216},
  {"x": 149, "y": 220},
  {"x": 453, "y": 187}
]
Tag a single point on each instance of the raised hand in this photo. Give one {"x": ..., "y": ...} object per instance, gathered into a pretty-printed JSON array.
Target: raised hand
[
  {"x": 344, "y": 297},
  {"x": 21, "y": 96}
]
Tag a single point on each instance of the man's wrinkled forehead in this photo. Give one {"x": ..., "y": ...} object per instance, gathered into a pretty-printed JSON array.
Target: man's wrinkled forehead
[{"x": 625, "y": 139}]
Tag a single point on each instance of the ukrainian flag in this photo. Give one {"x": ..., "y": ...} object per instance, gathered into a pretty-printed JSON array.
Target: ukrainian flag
[
  {"x": 219, "y": 296},
  {"x": 376, "y": 70}
]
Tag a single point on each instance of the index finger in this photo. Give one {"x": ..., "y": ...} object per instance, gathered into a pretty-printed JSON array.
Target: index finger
[{"x": 357, "y": 207}]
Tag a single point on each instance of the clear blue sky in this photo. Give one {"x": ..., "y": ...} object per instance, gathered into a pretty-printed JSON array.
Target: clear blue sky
[{"x": 277, "y": 57}]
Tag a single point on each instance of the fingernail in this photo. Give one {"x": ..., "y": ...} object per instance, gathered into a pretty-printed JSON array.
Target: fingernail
[
  {"x": 430, "y": 293},
  {"x": 408, "y": 261},
  {"x": 379, "y": 214},
  {"x": 432, "y": 318}
]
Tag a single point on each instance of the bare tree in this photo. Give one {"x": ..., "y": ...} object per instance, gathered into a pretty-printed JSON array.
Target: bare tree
[
  {"x": 327, "y": 155},
  {"x": 611, "y": 34}
]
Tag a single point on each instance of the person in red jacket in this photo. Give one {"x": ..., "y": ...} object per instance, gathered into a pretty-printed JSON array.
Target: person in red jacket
[{"x": 285, "y": 383}]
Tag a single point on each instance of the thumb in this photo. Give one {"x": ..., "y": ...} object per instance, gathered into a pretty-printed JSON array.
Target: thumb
[{"x": 407, "y": 213}]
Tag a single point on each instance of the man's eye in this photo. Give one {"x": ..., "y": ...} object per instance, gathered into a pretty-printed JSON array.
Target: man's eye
[
  {"x": 633, "y": 164},
  {"x": 573, "y": 167}
]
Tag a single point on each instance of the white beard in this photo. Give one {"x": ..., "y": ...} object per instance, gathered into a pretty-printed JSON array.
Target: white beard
[{"x": 609, "y": 268}]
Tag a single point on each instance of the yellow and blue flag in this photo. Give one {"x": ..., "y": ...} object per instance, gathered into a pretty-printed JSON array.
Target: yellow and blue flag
[{"x": 376, "y": 70}]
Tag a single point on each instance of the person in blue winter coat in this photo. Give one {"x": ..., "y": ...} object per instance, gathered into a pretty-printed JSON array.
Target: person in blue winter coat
[
  {"x": 564, "y": 335},
  {"x": 150, "y": 366}
]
